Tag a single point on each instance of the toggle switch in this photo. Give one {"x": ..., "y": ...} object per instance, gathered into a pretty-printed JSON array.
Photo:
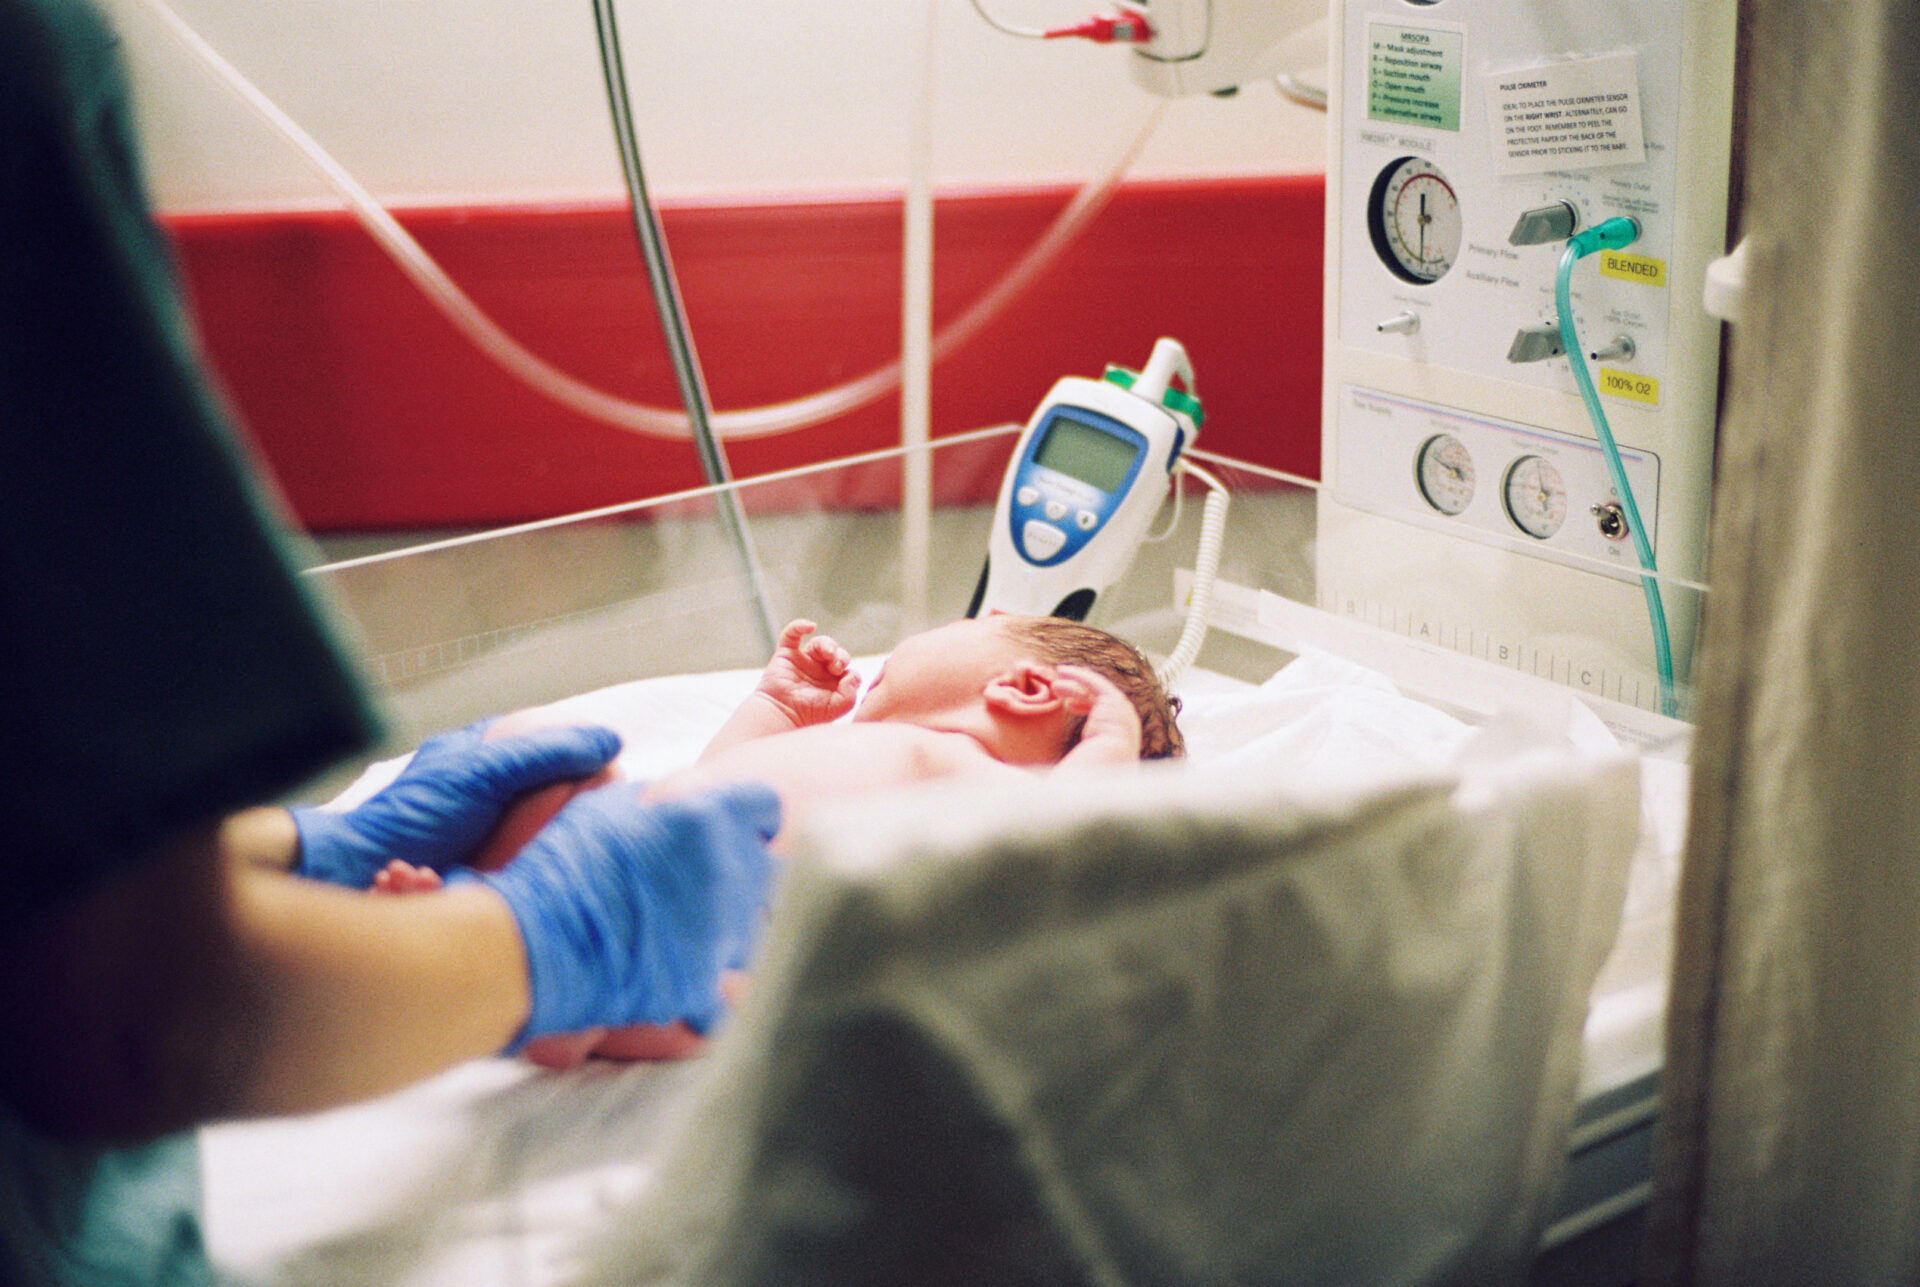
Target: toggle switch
[
  {"x": 1538, "y": 226},
  {"x": 1536, "y": 343},
  {"x": 1400, "y": 324}
]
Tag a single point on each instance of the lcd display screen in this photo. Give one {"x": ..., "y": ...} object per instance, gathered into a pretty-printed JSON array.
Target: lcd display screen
[{"x": 1081, "y": 451}]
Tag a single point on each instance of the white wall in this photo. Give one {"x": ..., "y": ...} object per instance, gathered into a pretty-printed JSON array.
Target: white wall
[{"x": 429, "y": 101}]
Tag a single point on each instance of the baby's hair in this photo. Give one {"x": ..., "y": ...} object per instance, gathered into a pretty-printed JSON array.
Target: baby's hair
[{"x": 1070, "y": 643}]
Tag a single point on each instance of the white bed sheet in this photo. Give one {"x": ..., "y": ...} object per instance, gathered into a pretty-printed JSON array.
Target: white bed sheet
[{"x": 493, "y": 1172}]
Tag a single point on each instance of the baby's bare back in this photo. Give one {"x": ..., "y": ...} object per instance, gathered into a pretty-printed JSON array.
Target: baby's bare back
[{"x": 810, "y": 767}]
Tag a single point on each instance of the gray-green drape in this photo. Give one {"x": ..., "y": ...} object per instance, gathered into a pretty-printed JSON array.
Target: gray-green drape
[{"x": 1791, "y": 1129}]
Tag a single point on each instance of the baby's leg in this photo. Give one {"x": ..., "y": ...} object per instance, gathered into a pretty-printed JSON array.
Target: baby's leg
[
  {"x": 519, "y": 824},
  {"x": 559, "y": 1052},
  {"x": 534, "y": 810},
  {"x": 516, "y": 827},
  {"x": 671, "y": 1040}
]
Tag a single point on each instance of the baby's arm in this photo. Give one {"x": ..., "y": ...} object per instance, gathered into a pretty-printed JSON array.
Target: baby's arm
[
  {"x": 1111, "y": 735},
  {"x": 809, "y": 681}
]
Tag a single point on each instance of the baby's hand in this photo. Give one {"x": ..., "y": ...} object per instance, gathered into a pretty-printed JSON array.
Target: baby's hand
[
  {"x": 810, "y": 677},
  {"x": 1111, "y": 734}
]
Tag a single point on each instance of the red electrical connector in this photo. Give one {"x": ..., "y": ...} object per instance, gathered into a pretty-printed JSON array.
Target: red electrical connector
[{"x": 1114, "y": 28}]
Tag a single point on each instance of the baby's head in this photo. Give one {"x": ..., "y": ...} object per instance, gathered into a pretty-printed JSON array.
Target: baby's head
[
  {"x": 1070, "y": 643},
  {"x": 931, "y": 675}
]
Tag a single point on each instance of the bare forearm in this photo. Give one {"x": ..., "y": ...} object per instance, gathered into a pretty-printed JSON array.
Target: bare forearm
[
  {"x": 359, "y": 994},
  {"x": 758, "y": 716},
  {"x": 364, "y": 994},
  {"x": 114, "y": 1005},
  {"x": 196, "y": 985},
  {"x": 265, "y": 837}
]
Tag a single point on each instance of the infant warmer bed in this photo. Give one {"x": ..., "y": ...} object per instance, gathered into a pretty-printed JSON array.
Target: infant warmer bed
[{"x": 1329, "y": 1003}]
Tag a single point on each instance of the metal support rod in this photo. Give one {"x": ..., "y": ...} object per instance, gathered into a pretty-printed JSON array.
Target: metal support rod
[
  {"x": 916, "y": 339},
  {"x": 673, "y": 318}
]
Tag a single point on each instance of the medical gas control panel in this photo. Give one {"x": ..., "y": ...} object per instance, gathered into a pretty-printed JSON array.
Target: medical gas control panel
[
  {"x": 1469, "y": 173},
  {"x": 1470, "y": 140},
  {"x": 1485, "y": 479}
]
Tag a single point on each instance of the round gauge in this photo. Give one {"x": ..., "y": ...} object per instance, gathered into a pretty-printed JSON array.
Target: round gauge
[
  {"x": 1415, "y": 220},
  {"x": 1536, "y": 497},
  {"x": 1445, "y": 472}
]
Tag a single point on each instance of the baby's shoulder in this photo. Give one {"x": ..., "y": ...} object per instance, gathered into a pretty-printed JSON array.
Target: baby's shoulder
[
  {"x": 912, "y": 752},
  {"x": 946, "y": 753}
]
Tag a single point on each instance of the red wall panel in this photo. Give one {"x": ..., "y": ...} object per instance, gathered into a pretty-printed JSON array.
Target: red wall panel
[{"x": 374, "y": 413}]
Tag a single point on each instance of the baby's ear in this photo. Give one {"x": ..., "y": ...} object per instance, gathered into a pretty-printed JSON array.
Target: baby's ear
[{"x": 1024, "y": 689}]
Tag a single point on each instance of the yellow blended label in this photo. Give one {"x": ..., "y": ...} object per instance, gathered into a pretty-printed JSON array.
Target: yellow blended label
[
  {"x": 1633, "y": 268},
  {"x": 1630, "y": 384}
]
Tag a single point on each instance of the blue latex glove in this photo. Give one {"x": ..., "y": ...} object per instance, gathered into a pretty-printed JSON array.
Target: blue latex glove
[
  {"x": 445, "y": 802},
  {"x": 630, "y": 911}
]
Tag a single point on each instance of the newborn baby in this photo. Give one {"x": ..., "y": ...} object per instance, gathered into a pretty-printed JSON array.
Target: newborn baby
[{"x": 995, "y": 694}]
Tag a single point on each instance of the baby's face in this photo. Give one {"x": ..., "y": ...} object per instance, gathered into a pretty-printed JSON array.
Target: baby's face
[{"x": 939, "y": 669}]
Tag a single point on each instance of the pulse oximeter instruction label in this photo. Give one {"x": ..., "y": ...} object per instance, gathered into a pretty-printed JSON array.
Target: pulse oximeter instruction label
[
  {"x": 1569, "y": 115},
  {"x": 1413, "y": 75}
]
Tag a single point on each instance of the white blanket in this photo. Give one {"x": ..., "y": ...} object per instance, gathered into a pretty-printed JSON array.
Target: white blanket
[{"x": 1312, "y": 1003}]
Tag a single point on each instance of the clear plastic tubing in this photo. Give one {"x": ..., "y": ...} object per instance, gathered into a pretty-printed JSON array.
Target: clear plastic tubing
[
  {"x": 1615, "y": 233},
  {"x": 661, "y": 422}
]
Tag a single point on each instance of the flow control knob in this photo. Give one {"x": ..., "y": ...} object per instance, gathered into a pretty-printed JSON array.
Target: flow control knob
[
  {"x": 1536, "y": 343},
  {"x": 1555, "y": 222}
]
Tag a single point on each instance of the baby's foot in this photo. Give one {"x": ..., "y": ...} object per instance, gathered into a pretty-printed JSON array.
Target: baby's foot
[
  {"x": 399, "y": 877},
  {"x": 563, "y": 1050},
  {"x": 650, "y": 1042}
]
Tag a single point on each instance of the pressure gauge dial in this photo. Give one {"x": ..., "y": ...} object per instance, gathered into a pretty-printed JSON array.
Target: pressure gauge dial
[
  {"x": 1536, "y": 497},
  {"x": 1414, "y": 218},
  {"x": 1445, "y": 473}
]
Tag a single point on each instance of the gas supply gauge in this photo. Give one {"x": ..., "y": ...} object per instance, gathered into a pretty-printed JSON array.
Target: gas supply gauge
[
  {"x": 1414, "y": 218},
  {"x": 1444, "y": 471},
  {"x": 1536, "y": 497}
]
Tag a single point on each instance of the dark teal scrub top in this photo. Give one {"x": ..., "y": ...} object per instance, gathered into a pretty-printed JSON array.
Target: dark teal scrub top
[{"x": 163, "y": 665}]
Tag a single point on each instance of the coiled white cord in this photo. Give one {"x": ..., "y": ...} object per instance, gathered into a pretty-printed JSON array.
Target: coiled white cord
[{"x": 1206, "y": 567}]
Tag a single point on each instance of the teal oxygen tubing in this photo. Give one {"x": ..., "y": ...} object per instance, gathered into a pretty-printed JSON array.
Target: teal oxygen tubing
[{"x": 1612, "y": 234}]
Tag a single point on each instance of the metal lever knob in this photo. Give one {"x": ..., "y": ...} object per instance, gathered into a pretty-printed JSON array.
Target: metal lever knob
[
  {"x": 1543, "y": 224},
  {"x": 1536, "y": 344}
]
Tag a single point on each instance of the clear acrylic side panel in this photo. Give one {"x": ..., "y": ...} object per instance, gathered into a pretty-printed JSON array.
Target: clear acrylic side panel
[
  {"x": 1268, "y": 548},
  {"x": 450, "y": 631},
  {"x": 1476, "y": 623},
  {"x": 455, "y": 629}
]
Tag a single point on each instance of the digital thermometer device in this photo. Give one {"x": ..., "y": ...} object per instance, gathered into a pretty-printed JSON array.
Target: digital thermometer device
[{"x": 1087, "y": 478}]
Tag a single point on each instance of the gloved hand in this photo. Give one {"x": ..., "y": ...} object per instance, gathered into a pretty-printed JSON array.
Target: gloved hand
[
  {"x": 445, "y": 802},
  {"x": 631, "y": 911}
]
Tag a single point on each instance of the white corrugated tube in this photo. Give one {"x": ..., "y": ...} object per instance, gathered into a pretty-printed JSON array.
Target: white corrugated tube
[{"x": 1206, "y": 567}]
